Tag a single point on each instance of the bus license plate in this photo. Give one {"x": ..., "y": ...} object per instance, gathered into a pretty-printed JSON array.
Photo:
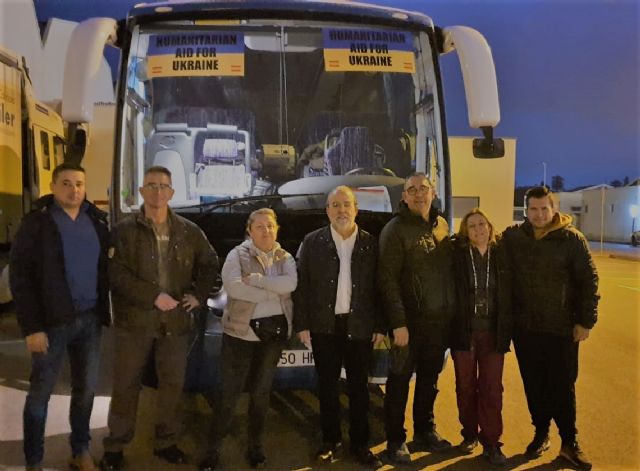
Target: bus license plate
[{"x": 292, "y": 358}]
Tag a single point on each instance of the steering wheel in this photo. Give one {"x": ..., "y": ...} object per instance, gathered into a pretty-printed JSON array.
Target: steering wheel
[{"x": 371, "y": 171}]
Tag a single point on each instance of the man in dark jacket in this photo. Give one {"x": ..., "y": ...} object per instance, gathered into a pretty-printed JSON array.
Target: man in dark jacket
[
  {"x": 59, "y": 284},
  {"x": 161, "y": 268},
  {"x": 555, "y": 306},
  {"x": 336, "y": 314},
  {"x": 414, "y": 278}
]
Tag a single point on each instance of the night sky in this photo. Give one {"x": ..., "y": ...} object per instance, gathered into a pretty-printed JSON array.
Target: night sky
[{"x": 567, "y": 76}]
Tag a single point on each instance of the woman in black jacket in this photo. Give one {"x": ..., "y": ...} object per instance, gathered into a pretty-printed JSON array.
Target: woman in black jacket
[{"x": 481, "y": 333}]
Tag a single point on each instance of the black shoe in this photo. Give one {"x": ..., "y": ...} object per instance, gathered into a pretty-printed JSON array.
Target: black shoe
[
  {"x": 538, "y": 445},
  {"x": 327, "y": 453},
  {"x": 574, "y": 454},
  {"x": 467, "y": 446},
  {"x": 365, "y": 457},
  {"x": 494, "y": 455},
  {"x": 112, "y": 461},
  {"x": 398, "y": 454},
  {"x": 431, "y": 441},
  {"x": 256, "y": 459},
  {"x": 172, "y": 454},
  {"x": 210, "y": 462}
]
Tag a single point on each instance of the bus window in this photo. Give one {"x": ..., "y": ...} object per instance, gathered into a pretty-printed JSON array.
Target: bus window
[
  {"x": 46, "y": 152},
  {"x": 58, "y": 150}
]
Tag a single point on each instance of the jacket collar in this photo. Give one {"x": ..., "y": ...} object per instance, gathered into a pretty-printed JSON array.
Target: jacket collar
[
  {"x": 46, "y": 202},
  {"x": 405, "y": 213},
  {"x": 278, "y": 252}
]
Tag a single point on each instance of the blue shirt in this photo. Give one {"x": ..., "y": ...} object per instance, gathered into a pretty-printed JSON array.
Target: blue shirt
[{"x": 81, "y": 249}]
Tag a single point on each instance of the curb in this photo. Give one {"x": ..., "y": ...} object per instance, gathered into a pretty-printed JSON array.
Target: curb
[{"x": 631, "y": 258}]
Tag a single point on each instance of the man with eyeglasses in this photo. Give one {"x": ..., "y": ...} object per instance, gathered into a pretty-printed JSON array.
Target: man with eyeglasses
[
  {"x": 61, "y": 292},
  {"x": 161, "y": 268},
  {"x": 416, "y": 288}
]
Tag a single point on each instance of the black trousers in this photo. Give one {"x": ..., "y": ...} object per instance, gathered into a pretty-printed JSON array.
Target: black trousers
[
  {"x": 330, "y": 353},
  {"x": 251, "y": 366},
  {"x": 549, "y": 369},
  {"x": 132, "y": 352},
  {"x": 426, "y": 358}
]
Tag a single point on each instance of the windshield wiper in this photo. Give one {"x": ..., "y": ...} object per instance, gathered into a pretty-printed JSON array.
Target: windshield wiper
[{"x": 212, "y": 205}]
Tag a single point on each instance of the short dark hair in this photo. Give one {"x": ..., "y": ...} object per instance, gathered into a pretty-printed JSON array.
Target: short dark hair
[
  {"x": 417, "y": 174},
  {"x": 158, "y": 169},
  {"x": 65, "y": 166},
  {"x": 538, "y": 192}
]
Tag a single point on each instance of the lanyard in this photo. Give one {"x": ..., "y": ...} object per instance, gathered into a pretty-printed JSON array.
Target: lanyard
[{"x": 475, "y": 278}]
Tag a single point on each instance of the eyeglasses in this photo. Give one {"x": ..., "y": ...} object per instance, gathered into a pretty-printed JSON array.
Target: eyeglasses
[
  {"x": 413, "y": 191},
  {"x": 157, "y": 186}
]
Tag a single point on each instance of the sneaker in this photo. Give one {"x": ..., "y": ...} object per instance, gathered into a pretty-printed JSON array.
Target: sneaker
[
  {"x": 210, "y": 462},
  {"x": 171, "y": 454},
  {"x": 398, "y": 454},
  {"x": 574, "y": 454},
  {"x": 467, "y": 445},
  {"x": 328, "y": 451},
  {"x": 431, "y": 441},
  {"x": 82, "y": 462},
  {"x": 112, "y": 461},
  {"x": 256, "y": 459},
  {"x": 494, "y": 455},
  {"x": 538, "y": 445},
  {"x": 365, "y": 457}
]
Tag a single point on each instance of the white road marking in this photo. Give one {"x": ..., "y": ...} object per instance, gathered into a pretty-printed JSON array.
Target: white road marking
[
  {"x": 58, "y": 417},
  {"x": 630, "y": 287}
]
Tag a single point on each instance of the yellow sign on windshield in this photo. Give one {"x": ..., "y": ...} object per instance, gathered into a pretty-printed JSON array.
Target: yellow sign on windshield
[
  {"x": 368, "y": 51},
  {"x": 196, "y": 54}
]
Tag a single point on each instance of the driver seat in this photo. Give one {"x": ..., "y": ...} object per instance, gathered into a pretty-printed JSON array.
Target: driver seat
[{"x": 353, "y": 149}]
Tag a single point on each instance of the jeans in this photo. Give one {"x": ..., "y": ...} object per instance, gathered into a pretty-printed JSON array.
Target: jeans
[
  {"x": 330, "y": 351},
  {"x": 80, "y": 339},
  {"x": 479, "y": 388},
  {"x": 426, "y": 359},
  {"x": 132, "y": 353},
  {"x": 549, "y": 369},
  {"x": 251, "y": 366}
]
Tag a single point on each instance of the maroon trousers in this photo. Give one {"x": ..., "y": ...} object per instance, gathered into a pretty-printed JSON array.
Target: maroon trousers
[{"x": 479, "y": 389}]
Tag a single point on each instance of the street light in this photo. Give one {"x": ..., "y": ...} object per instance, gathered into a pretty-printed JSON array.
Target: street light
[{"x": 544, "y": 174}]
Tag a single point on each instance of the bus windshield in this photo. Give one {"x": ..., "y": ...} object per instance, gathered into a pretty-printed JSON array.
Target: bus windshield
[{"x": 244, "y": 110}]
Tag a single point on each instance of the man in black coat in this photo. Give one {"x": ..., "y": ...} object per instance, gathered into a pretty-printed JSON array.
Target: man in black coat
[
  {"x": 59, "y": 284},
  {"x": 414, "y": 279},
  {"x": 555, "y": 307},
  {"x": 335, "y": 312}
]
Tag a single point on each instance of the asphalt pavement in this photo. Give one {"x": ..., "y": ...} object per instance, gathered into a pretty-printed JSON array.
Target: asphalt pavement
[{"x": 608, "y": 399}]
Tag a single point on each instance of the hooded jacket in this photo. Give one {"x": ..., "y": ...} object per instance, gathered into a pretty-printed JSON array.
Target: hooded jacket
[
  {"x": 414, "y": 273},
  {"x": 242, "y": 298},
  {"x": 38, "y": 278},
  {"x": 555, "y": 279}
]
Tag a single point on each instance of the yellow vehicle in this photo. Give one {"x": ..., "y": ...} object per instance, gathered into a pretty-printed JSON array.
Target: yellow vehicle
[{"x": 31, "y": 144}]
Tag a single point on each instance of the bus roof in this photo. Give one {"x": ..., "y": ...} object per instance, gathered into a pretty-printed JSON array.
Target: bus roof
[{"x": 298, "y": 9}]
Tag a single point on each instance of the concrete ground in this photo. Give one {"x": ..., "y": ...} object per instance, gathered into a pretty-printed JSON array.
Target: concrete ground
[{"x": 607, "y": 390}]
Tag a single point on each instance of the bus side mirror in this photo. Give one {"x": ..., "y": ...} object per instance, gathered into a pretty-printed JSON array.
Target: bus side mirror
[{"x": 488, "y": 147}]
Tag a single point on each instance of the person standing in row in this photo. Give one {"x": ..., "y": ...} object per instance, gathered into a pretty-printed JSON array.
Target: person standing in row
[
  {"x": 161, "y": 268},
  {"x": 415, "y": 282},
  {"x": 481, "y": 333},
  {"x": 61, "y": 293},
  {"x": 259, "y": 277},
  {"x": 336, "y": 314},
  {"x": 555, "y": 308}
]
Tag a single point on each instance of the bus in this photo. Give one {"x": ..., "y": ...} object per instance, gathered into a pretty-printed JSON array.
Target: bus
[
  {"x": 275, "y": 103},
  {"x": 32, "y": 143}
]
